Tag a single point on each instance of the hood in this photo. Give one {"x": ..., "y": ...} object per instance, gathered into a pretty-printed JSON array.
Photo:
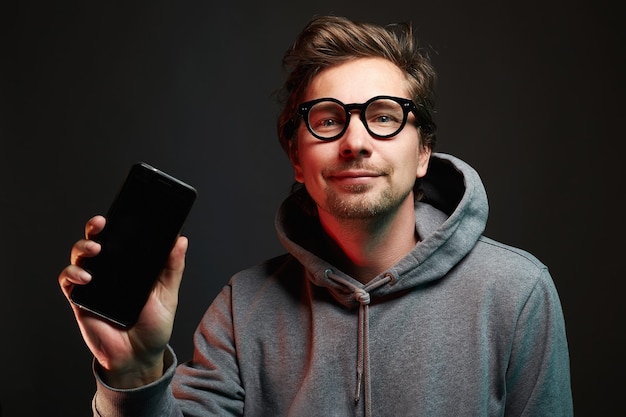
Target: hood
[{"x": 449, "y": 219}]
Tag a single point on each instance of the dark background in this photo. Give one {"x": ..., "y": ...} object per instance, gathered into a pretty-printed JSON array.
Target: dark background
[{"x": 529, "y": 93}]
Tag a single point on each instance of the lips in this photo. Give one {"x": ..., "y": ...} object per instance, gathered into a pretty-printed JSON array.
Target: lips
[
  {"x": 348, "y": 180},
  {"x": 354, "y": 174}
]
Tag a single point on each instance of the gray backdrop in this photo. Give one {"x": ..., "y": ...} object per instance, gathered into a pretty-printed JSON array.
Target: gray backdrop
[{"x": 529, "y": 93}]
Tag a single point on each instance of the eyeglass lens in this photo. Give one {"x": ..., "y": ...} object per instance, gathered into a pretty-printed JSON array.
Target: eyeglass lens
[{"x": 383, "y": 117}]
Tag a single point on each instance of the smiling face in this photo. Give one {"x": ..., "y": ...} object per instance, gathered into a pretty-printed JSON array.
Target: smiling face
[{"x": 359, "y": 176}]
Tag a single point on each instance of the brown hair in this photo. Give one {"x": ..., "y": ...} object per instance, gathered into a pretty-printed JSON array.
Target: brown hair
[{"x": 331, "y": 40}]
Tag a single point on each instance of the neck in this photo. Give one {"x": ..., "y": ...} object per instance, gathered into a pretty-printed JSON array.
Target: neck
[{"x": 364, "y": 248}]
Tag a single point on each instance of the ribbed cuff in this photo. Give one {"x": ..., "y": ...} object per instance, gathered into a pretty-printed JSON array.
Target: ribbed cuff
[{"x": 151, "y": 400}]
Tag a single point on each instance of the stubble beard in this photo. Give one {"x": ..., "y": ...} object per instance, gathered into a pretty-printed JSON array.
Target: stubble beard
[{"x": 361, "y": 205}]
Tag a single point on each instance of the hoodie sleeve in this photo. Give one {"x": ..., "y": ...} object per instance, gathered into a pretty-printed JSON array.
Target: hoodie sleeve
[
  {"x": 210, "y": 384},
  {"x": 152, "y": 400},
  {"x": 538, "y": 376},
  {"x": 207, "y": 385}
]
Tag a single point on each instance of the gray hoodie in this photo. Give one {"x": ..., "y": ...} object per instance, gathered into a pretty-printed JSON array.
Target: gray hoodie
[{"x": 461, "y": 326}]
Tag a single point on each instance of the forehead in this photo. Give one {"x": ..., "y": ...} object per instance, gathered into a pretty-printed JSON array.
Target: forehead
[{"x": 358, "y": 80}]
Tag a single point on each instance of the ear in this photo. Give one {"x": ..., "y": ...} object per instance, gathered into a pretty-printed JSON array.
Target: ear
[
  {"x": 293, "y": 157},
  {"x": 422, "y": 160},
  {"x": 298, "y": 174}
]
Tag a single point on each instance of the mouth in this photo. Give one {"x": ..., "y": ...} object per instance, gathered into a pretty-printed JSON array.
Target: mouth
[
  {"x": 354, "y": 174},
  {"x": 353, "y": 177}
]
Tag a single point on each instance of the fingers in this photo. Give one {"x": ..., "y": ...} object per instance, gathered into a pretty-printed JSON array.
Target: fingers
[
  {"x": 84, "y": 249},
  {"x": 94, "y": 226},
  {"x": 72, "y": 275},
  {"x": 87, "y": 248}
]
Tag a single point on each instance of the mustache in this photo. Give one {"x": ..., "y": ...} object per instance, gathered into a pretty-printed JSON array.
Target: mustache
[{"x": 355, "y": 166}]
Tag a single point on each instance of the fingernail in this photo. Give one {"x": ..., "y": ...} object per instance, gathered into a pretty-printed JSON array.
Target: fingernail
[
  {"x": 84, "y": 276},
  {"x": 90, "y": 245}
]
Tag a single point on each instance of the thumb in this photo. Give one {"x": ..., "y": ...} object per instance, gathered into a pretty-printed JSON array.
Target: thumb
[{"x": 172, "y": 274}]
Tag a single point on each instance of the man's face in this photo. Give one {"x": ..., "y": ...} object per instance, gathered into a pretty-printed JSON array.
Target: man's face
[{"x": 359, "y": 176}]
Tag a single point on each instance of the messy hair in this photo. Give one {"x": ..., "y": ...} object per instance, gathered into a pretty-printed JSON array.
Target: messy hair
[{"x": 327, "y": 41}]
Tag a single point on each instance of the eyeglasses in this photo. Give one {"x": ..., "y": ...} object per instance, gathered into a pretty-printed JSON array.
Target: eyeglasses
[{"x": 383, "y": 116}]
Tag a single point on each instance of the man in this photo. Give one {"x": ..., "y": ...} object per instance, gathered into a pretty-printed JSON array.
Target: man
[{"x": 390, "y": 302}]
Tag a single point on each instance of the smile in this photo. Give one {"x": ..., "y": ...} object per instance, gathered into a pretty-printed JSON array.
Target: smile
[{"x": 354, "y": 177}]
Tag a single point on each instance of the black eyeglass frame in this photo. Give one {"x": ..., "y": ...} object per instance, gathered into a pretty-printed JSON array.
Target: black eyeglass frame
[{"x": 406, "y": 104}]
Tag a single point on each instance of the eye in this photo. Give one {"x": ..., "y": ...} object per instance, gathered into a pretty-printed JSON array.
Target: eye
[
  {"x": 384, "y": 118},
  {"x": 383, "y": 113},
  {"x": 326, "y": 117},
  {"x": 327, "y": 122}
]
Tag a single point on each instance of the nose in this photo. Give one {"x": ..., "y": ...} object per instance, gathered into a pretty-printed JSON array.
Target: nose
[{"x": 356, "y": 141}]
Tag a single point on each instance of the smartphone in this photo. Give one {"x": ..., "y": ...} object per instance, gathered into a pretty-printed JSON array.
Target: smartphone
[{"x": 142, "y": 226}]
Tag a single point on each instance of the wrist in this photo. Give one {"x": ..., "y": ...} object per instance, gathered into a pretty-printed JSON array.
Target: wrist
[{"x": 132, "y": 376}]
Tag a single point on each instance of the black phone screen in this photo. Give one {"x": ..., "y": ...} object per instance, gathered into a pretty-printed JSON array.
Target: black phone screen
[{"x": 142, "y": 225}]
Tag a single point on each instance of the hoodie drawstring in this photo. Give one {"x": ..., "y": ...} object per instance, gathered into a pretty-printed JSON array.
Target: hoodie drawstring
[{"x": 362, "y": 295}]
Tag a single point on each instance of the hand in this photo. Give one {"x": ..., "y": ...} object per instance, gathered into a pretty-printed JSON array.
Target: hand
[{"x": 129, "y": 357}]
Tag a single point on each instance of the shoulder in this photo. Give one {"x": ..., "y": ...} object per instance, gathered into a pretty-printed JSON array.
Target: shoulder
[
  {"x": 268, "y": 269},
  {"x": 508, "y": 267},
  {"x": 506, "y": 256},
  {"x": 280, "y": 273}
]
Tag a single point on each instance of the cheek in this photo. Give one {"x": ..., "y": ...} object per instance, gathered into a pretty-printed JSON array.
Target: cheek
[
  {"x": 406, "y": 159},
  {"x": 305, "y": 164}
]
